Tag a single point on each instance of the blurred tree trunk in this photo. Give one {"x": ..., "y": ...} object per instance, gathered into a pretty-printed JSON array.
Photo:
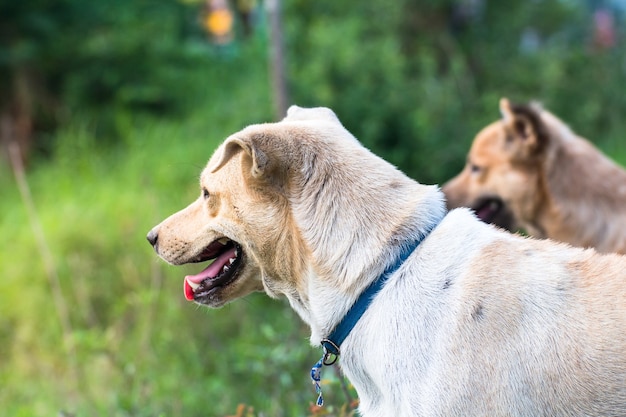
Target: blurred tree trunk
[
  {"x": 16, "y": 116},
  {"x": 277, "y": 59}
]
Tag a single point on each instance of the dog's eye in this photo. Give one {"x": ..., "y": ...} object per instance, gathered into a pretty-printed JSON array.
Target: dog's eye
[
  {"x": 474, "y": 169},
  {"x": 205, "y": 193}
]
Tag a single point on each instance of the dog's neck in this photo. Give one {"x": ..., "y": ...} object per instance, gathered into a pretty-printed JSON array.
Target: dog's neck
[
  {"x": 583, "y": 187},
  {"x": 329, "y": 294},
  {"x": 332, "y": 343}
]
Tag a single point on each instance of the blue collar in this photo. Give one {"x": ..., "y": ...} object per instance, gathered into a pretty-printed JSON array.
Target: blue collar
[{"x": 332, "y": 343}]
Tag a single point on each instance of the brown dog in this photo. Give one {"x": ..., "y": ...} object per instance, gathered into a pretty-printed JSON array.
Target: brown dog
[{"x": 530, "y": 171}]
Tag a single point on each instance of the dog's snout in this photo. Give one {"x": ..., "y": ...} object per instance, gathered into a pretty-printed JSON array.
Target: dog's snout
[{"x": 153, "y": 237}]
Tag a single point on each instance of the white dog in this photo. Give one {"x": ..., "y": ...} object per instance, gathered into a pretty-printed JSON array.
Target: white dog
[{"x": 432, "y": 313}]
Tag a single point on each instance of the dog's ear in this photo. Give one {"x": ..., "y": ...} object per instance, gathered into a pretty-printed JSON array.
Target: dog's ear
[
  {"x": 247, "y": 144},
  {"x": 316, "y": 113},
  {"x": 526, "y": 133},
  {"x": 505, "y": 109},
  {"x": 518, "y": 118}
]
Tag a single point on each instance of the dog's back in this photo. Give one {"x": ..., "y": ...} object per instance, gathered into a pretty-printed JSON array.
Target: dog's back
[{"x": 494, "y": 324}]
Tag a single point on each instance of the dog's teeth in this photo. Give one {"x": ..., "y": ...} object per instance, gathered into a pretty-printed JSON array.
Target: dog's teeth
[
  {"x": 226, "y": 268},
  {"x": 193, "y": 285},
  {"x": 223, "y": 240},
  {"x": 231, "y": 260}
]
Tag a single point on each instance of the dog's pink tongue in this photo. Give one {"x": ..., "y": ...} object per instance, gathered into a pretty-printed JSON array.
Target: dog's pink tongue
[
  {"x": 188, "y": 291},
  {"x": 483, "y": 213},
  {"x": 209, "y": 272}
]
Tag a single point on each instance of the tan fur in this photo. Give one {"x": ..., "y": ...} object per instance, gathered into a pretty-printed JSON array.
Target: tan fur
[
  {"x": 553, "y": 183},
  {"x": 475, "y": 322}
]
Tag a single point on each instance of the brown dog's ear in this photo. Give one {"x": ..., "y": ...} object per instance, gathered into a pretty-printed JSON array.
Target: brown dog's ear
[
  {"x": 247, "y": 144},
  {"x": 526, "y": 133},
  {"x": 505, "y": 109}
]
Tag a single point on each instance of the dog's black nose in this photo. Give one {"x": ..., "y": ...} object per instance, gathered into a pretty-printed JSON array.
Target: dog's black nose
[{"x": 153, "y": 236}]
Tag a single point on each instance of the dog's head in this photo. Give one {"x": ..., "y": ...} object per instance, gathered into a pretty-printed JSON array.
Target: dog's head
[
  {"x": 277, "y": 205},
  {"x": 501, "y": 180},
  {"x": 241, "y": 217}
]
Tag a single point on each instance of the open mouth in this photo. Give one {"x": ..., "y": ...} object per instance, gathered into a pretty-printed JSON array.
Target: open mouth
[
  {"x": 488, "y": 208},
  {"x": 227, "y": 257}
]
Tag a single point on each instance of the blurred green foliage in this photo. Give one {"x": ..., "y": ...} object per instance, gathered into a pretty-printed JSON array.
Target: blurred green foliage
[
  {"x": 415, "y": 81},
  {"x": 132, "y": 101}
]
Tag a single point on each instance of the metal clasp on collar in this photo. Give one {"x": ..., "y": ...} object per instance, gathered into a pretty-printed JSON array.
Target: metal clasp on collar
[{"x": 331, "y": 352}]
